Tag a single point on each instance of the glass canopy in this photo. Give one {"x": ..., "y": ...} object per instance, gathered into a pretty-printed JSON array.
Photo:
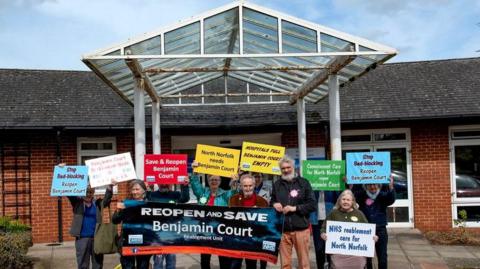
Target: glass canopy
[{"x": 238, "y": 53}]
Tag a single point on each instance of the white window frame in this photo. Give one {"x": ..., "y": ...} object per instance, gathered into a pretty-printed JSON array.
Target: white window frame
[
  {"x": 462, "y": 201},
  {"x": 105, "y": 152},
  {"x": 404, "y": 143}
]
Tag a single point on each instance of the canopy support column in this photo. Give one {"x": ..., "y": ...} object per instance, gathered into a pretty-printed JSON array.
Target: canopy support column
[
  {"x": 334, "y": 117},
  {"x": 302, "y": 133},
  {"x": 156, "y": 128},
  {"x": 139, "y": 118}
]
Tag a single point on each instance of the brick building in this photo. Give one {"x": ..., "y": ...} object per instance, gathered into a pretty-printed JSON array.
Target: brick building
[{"x": 427, "y": 114}]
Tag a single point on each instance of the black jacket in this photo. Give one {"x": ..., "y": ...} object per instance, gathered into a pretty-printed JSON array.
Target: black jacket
[{"x": 297, "y": 192}]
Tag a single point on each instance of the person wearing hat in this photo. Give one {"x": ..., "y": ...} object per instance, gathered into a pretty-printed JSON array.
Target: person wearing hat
[{"x": 373, "y": 200}]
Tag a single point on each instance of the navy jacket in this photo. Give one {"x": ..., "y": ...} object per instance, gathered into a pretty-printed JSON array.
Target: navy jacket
[{"x": 377, "y": 211}]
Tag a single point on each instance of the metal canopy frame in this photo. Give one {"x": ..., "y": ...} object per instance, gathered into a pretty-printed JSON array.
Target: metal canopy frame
[
  {"x": 278, "y": 53},
  {"x": 240, "y": 50}
]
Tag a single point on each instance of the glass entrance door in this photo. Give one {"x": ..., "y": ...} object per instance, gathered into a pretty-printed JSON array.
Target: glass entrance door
[{"x": 400, "y": 213}]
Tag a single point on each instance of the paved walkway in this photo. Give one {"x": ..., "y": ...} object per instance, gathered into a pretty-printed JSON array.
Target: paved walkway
[{"x": 407, "y": 249}]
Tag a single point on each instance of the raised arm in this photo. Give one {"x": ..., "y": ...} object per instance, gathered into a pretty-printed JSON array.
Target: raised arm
[{"x": 184, "y": 193}]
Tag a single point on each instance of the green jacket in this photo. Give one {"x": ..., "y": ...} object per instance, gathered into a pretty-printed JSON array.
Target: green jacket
[{"x": 203, "y": 193}]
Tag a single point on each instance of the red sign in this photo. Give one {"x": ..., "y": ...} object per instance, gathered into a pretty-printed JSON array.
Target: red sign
[{"x": 165, "y": 168}]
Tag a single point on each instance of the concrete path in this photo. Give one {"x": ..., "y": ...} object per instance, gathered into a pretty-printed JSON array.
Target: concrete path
[{"x": 407, "y": 248}]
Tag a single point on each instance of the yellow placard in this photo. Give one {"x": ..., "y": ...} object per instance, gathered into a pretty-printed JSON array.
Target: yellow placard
[
  {"x": 216, "y": 160},
  {"x": 261, "y": 158}
]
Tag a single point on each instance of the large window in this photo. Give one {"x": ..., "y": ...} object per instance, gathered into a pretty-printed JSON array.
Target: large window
[
  {"x": 91, "y": 148},
  {"x": 465, "y": 172}
]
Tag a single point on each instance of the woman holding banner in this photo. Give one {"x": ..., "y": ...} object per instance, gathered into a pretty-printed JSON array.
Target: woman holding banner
[
  {"x": 346, "y": 210},
  {"x": 373, "y": 202},
  {"x": 165, "y": 194},
  {"x": 136, "y": 193},
  {"x": 212, "y": 195}
]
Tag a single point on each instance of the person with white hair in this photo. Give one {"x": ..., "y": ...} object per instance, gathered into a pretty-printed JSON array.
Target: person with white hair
[
  {"x": 346, "y": 210},
  {"x": 293, "y": 196},
  {"x": 247, "y": 198},
  {"x": 374, "y": 201}
]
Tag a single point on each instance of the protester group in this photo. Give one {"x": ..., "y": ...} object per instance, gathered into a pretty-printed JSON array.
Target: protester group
[{"x": 306, "y": 215}]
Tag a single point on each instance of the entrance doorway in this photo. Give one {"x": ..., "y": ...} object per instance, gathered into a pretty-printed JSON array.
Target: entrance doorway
[{"x": 397, "y": 142}]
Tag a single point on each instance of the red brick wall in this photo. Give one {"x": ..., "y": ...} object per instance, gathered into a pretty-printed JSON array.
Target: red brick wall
[
  {"x": 315, "y": 137},
  {"x": 43, "y": 159},
  {"x": 431, "y": 177},
  {"x": 430, "y": 164}
]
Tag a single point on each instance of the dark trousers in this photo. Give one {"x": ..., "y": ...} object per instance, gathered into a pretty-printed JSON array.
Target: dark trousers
[
  {"x": 84, "y": 252},
  {"x": 205, "y": 261},
  {"x": 319, "y": 245},
  {"x": 135, "y": 262},
  {"x": 380, "y": 248},
  {"x": 250, "y": 264}
]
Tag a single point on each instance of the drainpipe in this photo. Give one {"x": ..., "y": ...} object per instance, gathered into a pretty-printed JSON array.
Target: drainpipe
[{"x": 59, "y": 201}]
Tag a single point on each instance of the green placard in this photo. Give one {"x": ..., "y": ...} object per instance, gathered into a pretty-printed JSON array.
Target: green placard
[{"x": 324, "y": 175}]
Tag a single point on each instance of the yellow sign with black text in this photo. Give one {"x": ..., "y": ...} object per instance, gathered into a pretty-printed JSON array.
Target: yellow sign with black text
[
  {"x": 261, "y": 158},
  {"x": 216, "y": 160}
]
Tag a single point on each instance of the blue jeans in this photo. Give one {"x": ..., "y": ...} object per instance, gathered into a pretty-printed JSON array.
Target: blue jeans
[
  {"x": 170, "y": 261},
  {"x": 380, "y": 248}
]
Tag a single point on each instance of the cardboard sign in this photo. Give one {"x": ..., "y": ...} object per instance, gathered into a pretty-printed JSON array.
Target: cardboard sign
[
  {"x": 216, "y": 161},
  {"x": 69, "y": 181},
  {"x": 350, "y": 238},
  {"x": 368, "y": 168},
  {"x": 102, "y": 170},
  {"x": 324, "y": 175},
  {"x": 261, "y": 158},
  {"x": 165, "y": 168}
]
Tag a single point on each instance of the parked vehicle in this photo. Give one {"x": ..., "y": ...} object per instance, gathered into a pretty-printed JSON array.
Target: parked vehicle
[
  {"x": 400, "y": 183},
  {"x": 467, "y": 185}
]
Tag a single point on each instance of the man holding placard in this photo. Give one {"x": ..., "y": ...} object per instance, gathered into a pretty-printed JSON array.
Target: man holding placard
[
  {"x": 293, "y": 196},
  {"x": 372, "y": 169},
  {"x": 327, "y": 179},
  {"x": 374, "y": 201}
]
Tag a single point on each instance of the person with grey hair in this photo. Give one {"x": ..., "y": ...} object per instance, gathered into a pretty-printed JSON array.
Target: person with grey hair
[
  {"x": 346, "y": 210},
  {"x": 137, "y": 191},
  {"x": 247, "y": 198},
  {"x": 374, "y": 201},
  {"x": 212, "y": 195},
  {"x": 293, "y": 196}
]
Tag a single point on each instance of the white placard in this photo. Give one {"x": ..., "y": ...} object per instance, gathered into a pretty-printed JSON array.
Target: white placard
[
  {"x": 350, "y": 238},
  {"x": 102, "y": 170}
]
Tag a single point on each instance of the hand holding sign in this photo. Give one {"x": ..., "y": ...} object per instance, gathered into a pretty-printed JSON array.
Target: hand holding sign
[
  {"x": 261, "y": 158},
  {"x": 216, "y": 160},
  {"x": 102, "y": 170},
  {"x": 165, "y": 168},
  {"x": 368, "y": 167}
]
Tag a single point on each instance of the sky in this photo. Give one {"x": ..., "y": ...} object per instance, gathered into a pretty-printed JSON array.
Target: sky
[{"x": 54, "y": 34}]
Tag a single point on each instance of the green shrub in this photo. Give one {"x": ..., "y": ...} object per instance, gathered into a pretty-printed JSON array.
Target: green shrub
[
  {"x": 13, "y": 250},
  {"x": 7, "y": 225},
  {"x": 15, "y": 239}
]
